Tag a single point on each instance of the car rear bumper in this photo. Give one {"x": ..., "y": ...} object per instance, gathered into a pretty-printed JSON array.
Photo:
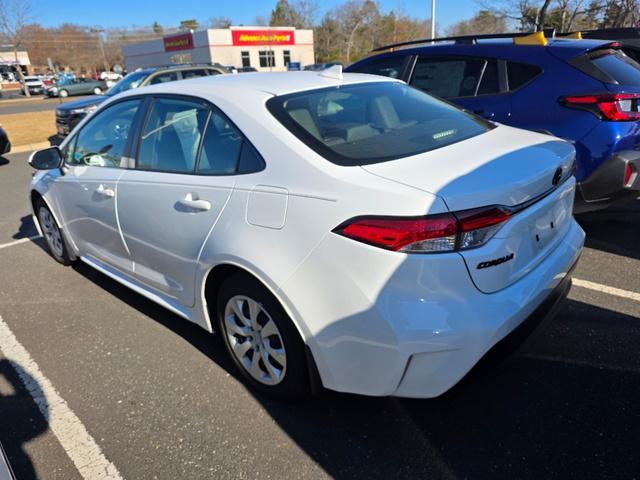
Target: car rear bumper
[
  {"x": 414, "y": 327},
  {"x": 606, "y": 185}
]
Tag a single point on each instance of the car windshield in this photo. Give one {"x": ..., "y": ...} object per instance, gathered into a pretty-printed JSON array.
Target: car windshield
[
  {"x": 373, "y": 122},
  {"x": 133, "y": 80}
]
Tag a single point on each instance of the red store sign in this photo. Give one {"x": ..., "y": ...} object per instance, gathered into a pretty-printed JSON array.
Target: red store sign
[
  {"x": 263, "y": 37},
  {"x": 184, "y": 41}
]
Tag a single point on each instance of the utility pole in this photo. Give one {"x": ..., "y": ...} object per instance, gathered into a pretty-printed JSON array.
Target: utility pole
[
  {"x": 100, "y": 31},
  {"x": 433, "y": 18}
]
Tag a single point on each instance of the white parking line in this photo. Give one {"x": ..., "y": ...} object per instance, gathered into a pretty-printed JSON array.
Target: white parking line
[
  {"x": 618, "y": 292},
  {"x": 81, "y": 448},
  {"x": 18, "y": 242}
]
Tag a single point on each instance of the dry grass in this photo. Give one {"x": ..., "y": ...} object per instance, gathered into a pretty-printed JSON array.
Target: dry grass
[{"x": 30, "y": 127}]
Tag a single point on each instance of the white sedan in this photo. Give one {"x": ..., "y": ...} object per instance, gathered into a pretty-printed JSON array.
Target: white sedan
[{"x": 346, "y": 231}]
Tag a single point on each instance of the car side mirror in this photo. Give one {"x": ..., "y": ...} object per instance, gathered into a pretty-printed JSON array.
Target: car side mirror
[{"x": 46, "y": 159}]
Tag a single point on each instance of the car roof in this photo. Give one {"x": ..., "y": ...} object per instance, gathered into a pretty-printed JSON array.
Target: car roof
[
  {"x": 272, "y": 83},
  {"x": 561, "y": 47}
]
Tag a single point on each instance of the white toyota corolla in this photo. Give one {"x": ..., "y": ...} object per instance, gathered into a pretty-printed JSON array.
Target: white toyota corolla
[{"x": 345, "y": 231}]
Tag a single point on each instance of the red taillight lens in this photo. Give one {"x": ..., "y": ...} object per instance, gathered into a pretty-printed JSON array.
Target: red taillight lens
[
  {"x": 433, "y": 233},
  {"x": 615, "y": 107}
]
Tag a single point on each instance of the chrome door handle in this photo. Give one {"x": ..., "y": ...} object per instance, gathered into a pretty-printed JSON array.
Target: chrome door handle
[
  {"x": 192, "y": 202},
  {"x": 106, "y": 192}
]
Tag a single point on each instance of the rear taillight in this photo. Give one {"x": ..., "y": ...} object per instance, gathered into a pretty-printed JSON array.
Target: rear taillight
[
  {"x": 615, "y": 107},
  {"x": 446, "y": 232},
  {"x": 629, "y": 176}
]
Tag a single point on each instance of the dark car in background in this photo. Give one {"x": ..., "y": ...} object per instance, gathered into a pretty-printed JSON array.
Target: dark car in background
[
  {"x": 77, "y": 86},
  {"x": 5, "y": 144},
  {"x": 584, "y": 91},
  {"x": 68, "y": 115}
]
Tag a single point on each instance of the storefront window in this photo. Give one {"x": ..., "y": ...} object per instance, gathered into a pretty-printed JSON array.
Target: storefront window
[
  {"x": 287, "y": 57},
  {"x": 246, "y": 59},
  {"x": 267, "y": 58}
]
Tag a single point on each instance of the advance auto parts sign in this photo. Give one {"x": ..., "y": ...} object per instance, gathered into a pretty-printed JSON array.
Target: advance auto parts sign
[
  {"x": 262, "y": 37},
  {"x": 184, "y": 41}
]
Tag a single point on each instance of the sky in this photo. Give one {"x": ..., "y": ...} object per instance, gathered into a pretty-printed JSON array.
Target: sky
[{"x": 122, "y": 13}]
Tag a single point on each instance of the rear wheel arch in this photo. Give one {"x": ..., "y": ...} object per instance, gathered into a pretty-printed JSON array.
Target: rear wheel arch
[{"x": 216, "y": 276}]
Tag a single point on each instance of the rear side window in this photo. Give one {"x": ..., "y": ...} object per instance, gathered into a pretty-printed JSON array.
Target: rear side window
[
  {"x": 194, "y": 73},
  {"x": 387, "y": 67},
  {"x": 373, "y": 122},
  {"x": 519, "y": 74},
  {"x": 220, "y": 148},
  {"x": 621, "y": 68},
  {"x": 171, "y": 136},
  {"x": 452, "y": 77},
  {"x": 164, "y": 77}
]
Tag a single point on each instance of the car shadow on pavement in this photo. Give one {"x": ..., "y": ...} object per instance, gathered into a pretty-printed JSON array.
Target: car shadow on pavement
[
  {"x": 4, "y": 161},
  {"x": 21, "y": 420},
  {"x": 567, "y": 408},
  {"x": 614, "y": 230},
  {"x": 55, "y": 140},
  {"x": 26, "y": 229}
]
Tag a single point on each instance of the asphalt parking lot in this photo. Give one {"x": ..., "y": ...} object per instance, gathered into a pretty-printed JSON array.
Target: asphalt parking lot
[{"x": 160, "y": 399}]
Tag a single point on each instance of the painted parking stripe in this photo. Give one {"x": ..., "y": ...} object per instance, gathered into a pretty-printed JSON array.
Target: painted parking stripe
[
  {"x": 81, "y": 448},
  {"x": 618, "y": 292},
  {"x": 18, "y": 242}
]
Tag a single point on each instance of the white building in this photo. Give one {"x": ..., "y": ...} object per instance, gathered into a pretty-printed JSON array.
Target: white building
[{"x": 264, "y": 48}]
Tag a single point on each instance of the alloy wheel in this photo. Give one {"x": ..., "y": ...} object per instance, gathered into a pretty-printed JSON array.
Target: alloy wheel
[
  {"x": 255, "y": 340},
  {"x": 51, "y": 231}
]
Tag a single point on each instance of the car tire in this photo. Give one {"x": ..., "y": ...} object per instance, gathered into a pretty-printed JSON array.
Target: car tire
[
  {"x": 97, "y": 91},
  {"x": 63, "y": 93},
  {"x": 281, "y": 369},
  {"x": 52, "y": 233}
]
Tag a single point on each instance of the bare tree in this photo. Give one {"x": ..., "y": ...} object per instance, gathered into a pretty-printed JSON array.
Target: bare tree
[{"x": 14, "y": 15}]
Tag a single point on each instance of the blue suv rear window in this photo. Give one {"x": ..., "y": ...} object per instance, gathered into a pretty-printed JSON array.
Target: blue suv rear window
[{"x": 618, "y": 66}]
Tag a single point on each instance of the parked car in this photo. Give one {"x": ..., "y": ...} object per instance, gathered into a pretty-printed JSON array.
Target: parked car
[
  {"x": 68, "y": 115},
  {"x": 246, "y": 69},
  {"x": 78, "y": 86},
  {"x": 5, "y": 144},
  {"x": 346, "y": 231},
  {"x": 34, "y": 84},
  {"x": 585, "y": 91}
]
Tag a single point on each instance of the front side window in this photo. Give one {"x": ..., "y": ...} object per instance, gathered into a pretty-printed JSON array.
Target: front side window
[
  {"x": 103, "y": 140},
  {"x": 448, "y": 77},
  {"x": 387, "y": 67},
  {"x": 373, "y": 122},
  {"x": 171, "y": 136},
  {"x": 267, "y": 58}
]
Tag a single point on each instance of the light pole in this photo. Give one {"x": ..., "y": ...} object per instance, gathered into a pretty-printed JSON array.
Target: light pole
[
  {"x": 100, "y": 31},
  {"x": 433, "y": 18}
]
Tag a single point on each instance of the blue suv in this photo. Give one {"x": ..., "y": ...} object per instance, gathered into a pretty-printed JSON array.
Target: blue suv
[{"x": 585, "y": 91}]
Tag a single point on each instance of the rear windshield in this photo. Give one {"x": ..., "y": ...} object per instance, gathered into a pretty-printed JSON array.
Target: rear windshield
[
  {"x": 617, "y": 65},
  {"x": 373, "y": 122}
]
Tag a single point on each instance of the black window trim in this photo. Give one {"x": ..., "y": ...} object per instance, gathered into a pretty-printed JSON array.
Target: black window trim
[{"x": 148, "y": 104}]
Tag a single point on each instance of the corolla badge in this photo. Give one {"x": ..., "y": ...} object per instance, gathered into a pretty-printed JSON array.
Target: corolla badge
[{"x": 496, "y": 261}]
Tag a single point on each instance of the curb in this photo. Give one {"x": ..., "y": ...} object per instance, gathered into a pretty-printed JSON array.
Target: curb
[
  {"x": 20, "y": 100},
  {"x": 28, "y": 147}
]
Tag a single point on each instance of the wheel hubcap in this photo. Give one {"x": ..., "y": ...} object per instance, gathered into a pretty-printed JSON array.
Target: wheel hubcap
[
  {"x": 51, "y": 231},
  {"x": 255, "y": 340}
]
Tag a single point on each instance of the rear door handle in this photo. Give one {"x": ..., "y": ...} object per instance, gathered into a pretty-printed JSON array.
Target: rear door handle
[
  {"x": 105, "y": 192},
  {"x": 192, "y": 202}
]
